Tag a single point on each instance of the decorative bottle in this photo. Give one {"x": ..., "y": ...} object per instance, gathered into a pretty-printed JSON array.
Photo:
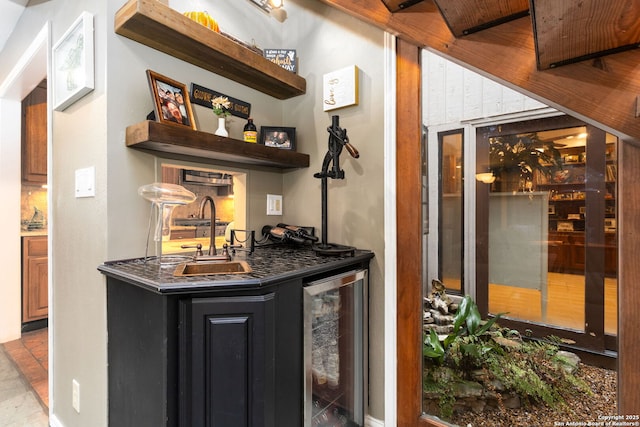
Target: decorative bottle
[{"x": 250, "y": 133}]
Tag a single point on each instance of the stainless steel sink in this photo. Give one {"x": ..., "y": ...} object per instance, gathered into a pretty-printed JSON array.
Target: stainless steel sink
[{"x": 207, "y": 268}]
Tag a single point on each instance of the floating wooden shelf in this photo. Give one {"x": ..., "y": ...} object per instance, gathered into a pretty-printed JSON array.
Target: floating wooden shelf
[
  {"x": 175, "y": 139},
  {"x": 158, "y": 26}
]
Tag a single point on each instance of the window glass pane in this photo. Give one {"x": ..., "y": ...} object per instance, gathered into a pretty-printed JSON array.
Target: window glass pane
[
  {"x": 611, "y": 237},
  {"x": 552, "y": 227},
  {"x": 451, "y": 211}
]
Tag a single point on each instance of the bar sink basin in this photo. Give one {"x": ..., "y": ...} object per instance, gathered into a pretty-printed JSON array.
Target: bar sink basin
[{"x": 207, "y": 268}]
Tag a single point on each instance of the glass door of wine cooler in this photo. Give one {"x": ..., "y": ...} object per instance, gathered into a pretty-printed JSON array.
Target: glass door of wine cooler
[{"x": 334, "y": 343}]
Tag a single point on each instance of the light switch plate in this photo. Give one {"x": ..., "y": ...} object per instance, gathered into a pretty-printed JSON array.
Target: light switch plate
[
  {"x": 86, "y": 182},
  {"x": 274, "y": 204}
]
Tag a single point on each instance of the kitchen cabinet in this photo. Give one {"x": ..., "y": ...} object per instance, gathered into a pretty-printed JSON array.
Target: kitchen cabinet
[
  {"x": 217, "y": 359},
  {"x": 34, "y": 136},
  {"x": 172, "y": 175},
  {"x": 182, "y": 233},
  {"x": 230, "y": 339},
  {"x": 245, "y": 346},
  {"x": 35, "y": 291},
  {"x": 222, "y": 350},
  {"x": 567, "y": 253}
]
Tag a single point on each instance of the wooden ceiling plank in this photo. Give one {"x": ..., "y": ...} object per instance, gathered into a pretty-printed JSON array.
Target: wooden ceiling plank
[
  {"x": 601, "y": 92},
  {"x": 567, "y": 31},
  {"x": 399, "y": 5},
  {"x": 468, "y": 16}
]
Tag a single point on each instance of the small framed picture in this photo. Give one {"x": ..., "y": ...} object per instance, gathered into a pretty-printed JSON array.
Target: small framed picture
[
  {"x": 552, "y": 209},
  {"x": 72, "y": 63},
  {"x": 565, "y": 226},
  {"x": 279, "y": 137},
  {"x": 170, "y": 101}
]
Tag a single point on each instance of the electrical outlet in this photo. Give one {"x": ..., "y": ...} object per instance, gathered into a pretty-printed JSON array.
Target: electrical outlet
[
  {"x": 75, "y": 396},
  {"x": 274, "y": 204}
]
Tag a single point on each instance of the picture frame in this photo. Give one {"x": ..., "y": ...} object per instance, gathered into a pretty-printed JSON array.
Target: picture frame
[
  {"x": 565, "y": 226},
  {"x": 171, "y": 103},
  {"x": 552, "y": 209},
  {"x": 340, "y": 88},
  {"x": 72, "y": 63},
  {"x": 278, "y": 136}
]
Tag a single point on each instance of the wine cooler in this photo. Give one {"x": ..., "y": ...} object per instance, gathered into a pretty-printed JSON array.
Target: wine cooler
[{"x": 334, "y": 350}]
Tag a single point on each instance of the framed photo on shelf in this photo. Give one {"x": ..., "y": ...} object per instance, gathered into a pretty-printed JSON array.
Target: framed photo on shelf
[
  {"x": 279, "y": 137},
  {"x": 552, "y": 209},
  {"x": 72, "y": 63},
  {"x": 171, "y": 102}
]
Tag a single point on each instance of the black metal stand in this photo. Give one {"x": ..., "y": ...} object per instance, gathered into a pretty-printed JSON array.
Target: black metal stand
[
  {"x": 249, "y": 240},
  {"x": 337, "y": 140}
]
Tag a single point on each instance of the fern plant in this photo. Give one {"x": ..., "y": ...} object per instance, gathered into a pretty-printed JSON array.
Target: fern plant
[{"x": 530, "y": 369}]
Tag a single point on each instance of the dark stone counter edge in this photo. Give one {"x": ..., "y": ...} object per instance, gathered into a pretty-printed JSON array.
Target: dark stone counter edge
[{"x": 222, "y": 282}]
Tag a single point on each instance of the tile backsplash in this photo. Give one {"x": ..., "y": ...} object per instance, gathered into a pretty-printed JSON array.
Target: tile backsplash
[
  {"x": 224, "y": 204},
  {"x": 33, "y": 197}
]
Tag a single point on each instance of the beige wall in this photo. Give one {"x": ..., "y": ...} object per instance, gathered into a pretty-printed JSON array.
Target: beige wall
[
  {"x": 113, "y": 225},
  {"x": 328, "y": 40}
]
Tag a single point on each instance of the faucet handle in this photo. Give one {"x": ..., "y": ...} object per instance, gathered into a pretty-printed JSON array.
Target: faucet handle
[{"x": 197, "y": 247}]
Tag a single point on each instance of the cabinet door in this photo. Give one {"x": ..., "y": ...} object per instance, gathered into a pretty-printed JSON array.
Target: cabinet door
[
  {"x": 228, "y": 347},
  {"x": 34, "y": 136},
  {"x": 35, "y": 294}
]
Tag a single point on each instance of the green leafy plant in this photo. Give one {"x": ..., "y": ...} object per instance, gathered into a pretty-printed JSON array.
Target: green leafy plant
[
  {"x": 479, "y": 348},
  {"x": 467, "y": 322},
  {"x": 524, "y": 152}
]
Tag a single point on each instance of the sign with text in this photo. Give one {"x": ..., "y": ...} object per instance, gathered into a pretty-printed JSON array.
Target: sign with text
[
  {"x": 340, "y": 88},
  {"x": 286, "y": 58},
  {"x": 202, "y": 96}
]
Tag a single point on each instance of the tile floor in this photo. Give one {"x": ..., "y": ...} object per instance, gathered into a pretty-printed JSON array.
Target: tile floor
[{"x": 24, "y": 391}]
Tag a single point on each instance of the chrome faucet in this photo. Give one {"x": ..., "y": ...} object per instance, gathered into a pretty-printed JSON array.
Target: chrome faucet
[{"x": 212, "y": 237}]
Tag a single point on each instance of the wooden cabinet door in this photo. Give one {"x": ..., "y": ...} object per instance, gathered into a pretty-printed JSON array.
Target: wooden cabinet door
[
  {"x": 229, "y": 371},
  {"x": 35, "y": 288},
  {"x": 34, "y": 136}
]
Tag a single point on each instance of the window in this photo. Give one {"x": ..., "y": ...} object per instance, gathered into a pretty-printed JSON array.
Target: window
[{"x": 546, "y": 227}]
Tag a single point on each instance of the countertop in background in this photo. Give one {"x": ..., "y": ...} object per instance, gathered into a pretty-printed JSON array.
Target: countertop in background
[{"x": 33, "y": 233}]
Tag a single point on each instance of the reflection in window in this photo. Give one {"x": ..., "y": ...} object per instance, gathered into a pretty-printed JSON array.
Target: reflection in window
[
  {"x": 451, "y": 242},
  {"x": 552, "y": 228}
]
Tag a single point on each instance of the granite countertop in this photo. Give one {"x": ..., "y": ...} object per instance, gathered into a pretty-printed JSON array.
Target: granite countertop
[{"x": 270, "y": 264}]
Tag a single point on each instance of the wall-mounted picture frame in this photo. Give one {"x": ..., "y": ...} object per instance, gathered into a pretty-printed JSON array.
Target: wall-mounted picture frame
[
  {"x": 340, "y": 88},
  {"x": 72, "y": 63},
  {"x": 171, "y": 102},
  {"x": 278, "y": 136}
]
